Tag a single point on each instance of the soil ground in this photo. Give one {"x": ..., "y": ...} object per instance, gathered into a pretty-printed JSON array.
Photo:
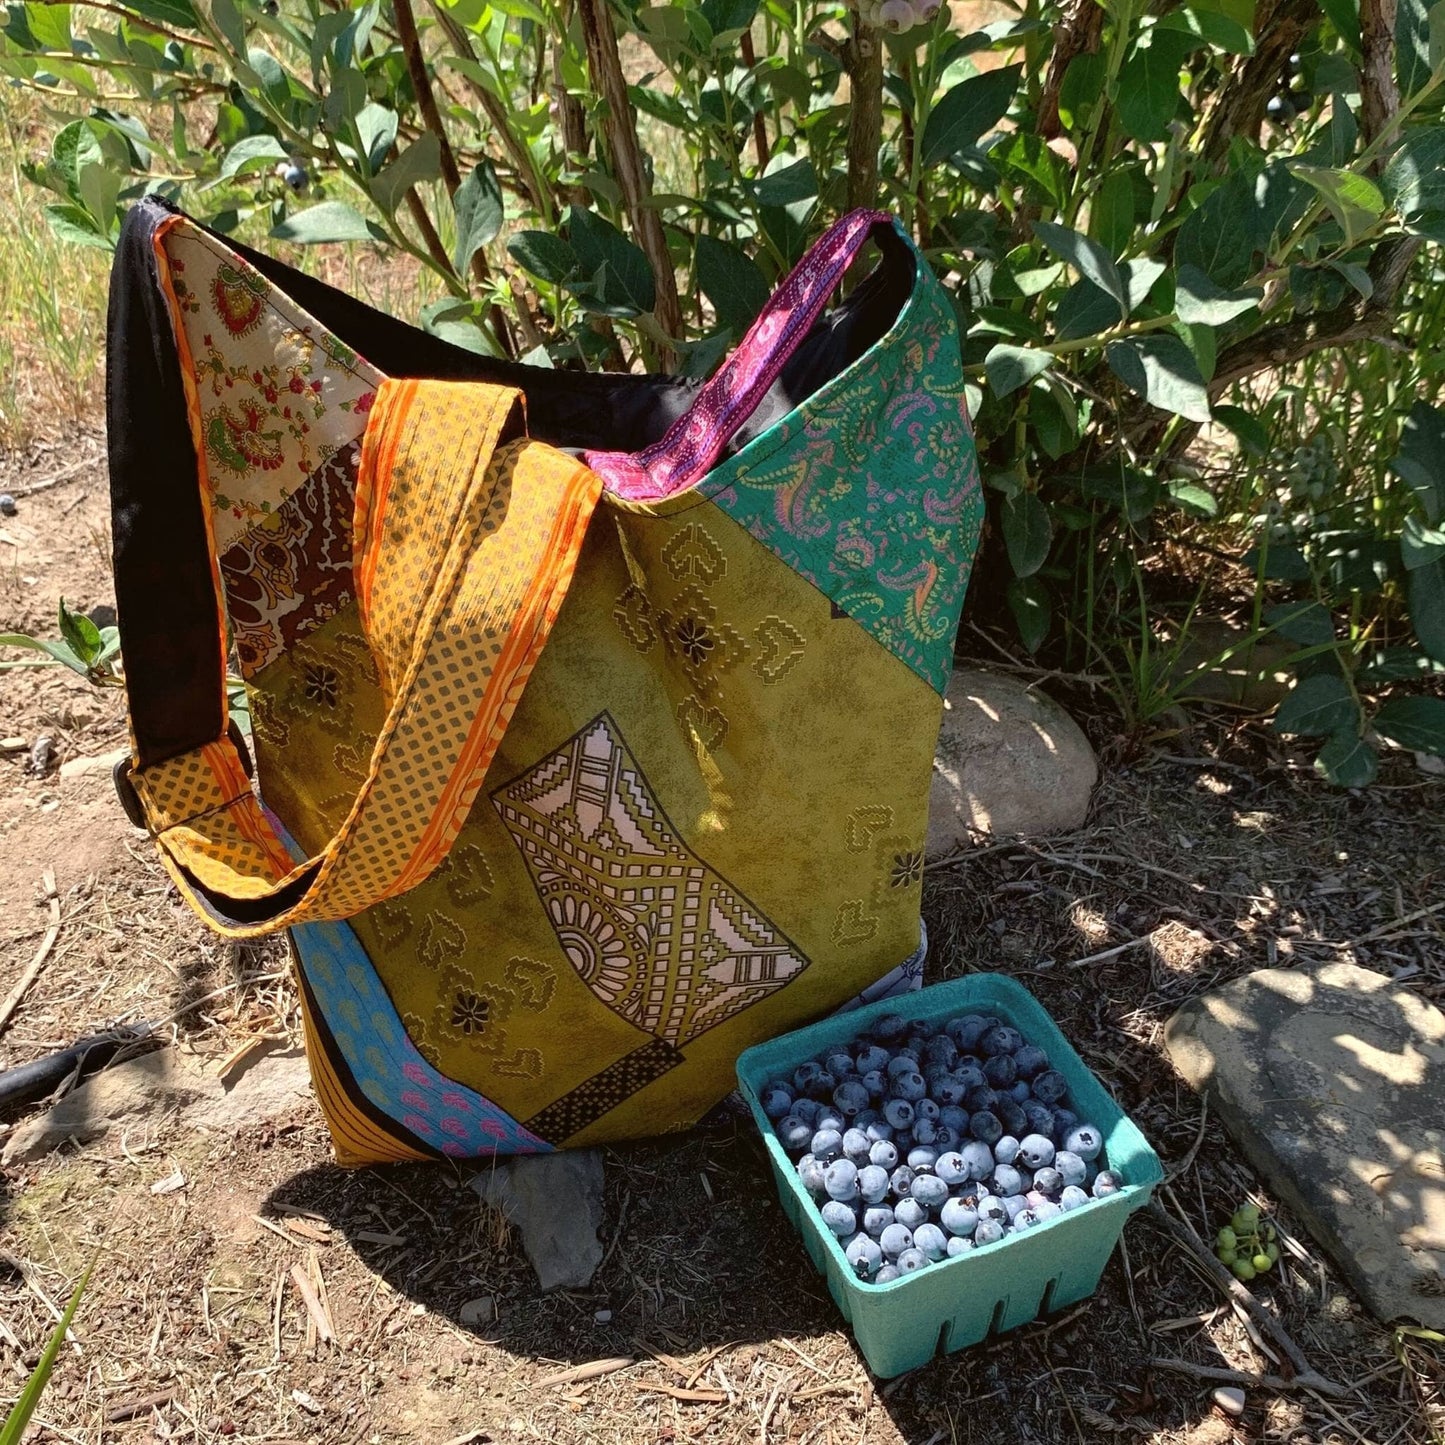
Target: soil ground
[{"x": 1205, "y": 856}]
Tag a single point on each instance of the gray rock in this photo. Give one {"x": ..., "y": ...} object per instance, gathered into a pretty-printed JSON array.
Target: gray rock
[
  {"x": 555, "y": 1202},
  {"x": 148, "y": 1086},
  {"x": 274, "y": 1088},
  {"x": 1333, "y": 1081},
  {"x": 1217, "y": 663},
  {"x": 103, "y": 763},
  {"x": 1010, "y": 761}
]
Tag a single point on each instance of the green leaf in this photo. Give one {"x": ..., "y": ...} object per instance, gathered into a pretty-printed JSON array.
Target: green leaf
[
  {"x": 1413, "y": 722},
  {"x": 1028, "y": 600},
  {"x": 1252, "y": 433},
  {"x": 1027, "y": 532},
  {"x": 1427, "y": 607},
  {"x": 49, "y": 25},
  {"x": 330, "y": 221},
  {"x": 1010, "y": 367},
  {"x": 1420, "y": 543},
  {"x": 419, "y": 163},
  {"x": 547, "y": 257},
  {"x": 1278, "y": 564},
  {"x": 1135, "y": 493},
  {"x": 228, "y": 21},
  {"x": 1345, "y": 17},
  {"x": 971, "y": 108},
  {"x": 786, "y": 184},
  {"x": 1316, "y": 707},
  {"x": 1398, "y": 664},
  {"x": 75, "y": 225},
  {"x": 1194, "y": 498},
  {"x": 1149, "y": 96},
  {"x": 1353, "y": 200},
  {"x": 479, "y": 211},
  {"x": 1347, "y": 760},
  {"x": 732, "y": 282},
  {"x": 376, "y": 125},
  {"x": 1053, "y": 418},
  {"x": 56, "y": 651},
  {"x": 1220, "y": 236},
  {"x": 1307, "y": 623},
  {"x": 1211, "y": 27},
  {"x": 621, "y": 279},
  {"x": 1198, "y": 301},
  {"x": 1111, "y": 212},
  {"x": 1088, "y": 258},
  {"x": 1029, "y": 156},
  {"x": 1414, "y": 179},
  {"x": 254, "y": 152},
  {"x": 80, "y": 633},
  {"x": 458, "y": 322},
  {"x": 28, "y": 1401},
  {"x": 1421, "y": 462},
  {"x": 178, "y": 14},
  {"x": 1162, "y": 371}
]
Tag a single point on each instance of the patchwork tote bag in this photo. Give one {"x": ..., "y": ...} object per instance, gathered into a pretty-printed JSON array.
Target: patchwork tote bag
[{"x": 593, "y": 715}]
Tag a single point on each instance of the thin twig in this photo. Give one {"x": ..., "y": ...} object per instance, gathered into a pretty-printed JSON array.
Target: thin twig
[
  {"x": 1232, "y": 1377},
  {"x": 32, "y": 969},
  {"x": 69, "y": 474}
]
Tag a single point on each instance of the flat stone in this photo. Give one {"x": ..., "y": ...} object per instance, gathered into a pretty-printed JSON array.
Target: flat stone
[
  {"x": 1217, "y": 663},
  {"x": 1010, "y": 761},
  {"x": 97, "y": 763},
  {"x": 1333, "y": 1081},
  {"x": 555, "y": 1202},
  {"x": 276, "y": 1087}
]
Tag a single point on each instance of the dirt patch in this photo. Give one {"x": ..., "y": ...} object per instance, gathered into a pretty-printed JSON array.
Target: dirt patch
[{"x": 1193, "y": 868}]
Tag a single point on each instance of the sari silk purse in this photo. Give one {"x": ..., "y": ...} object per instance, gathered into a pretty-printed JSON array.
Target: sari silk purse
[{"x": 593, "y": 715}]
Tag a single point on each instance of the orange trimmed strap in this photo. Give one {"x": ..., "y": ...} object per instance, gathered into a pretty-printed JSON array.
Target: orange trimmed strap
[{"x": 465, "y": 549}]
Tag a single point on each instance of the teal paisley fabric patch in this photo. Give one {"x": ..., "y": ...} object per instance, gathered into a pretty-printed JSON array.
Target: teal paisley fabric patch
[{"x": 870, "y": 489}]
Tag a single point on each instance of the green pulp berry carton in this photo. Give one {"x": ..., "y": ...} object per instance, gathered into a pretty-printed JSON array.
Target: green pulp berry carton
[{"x": 957, "y": 1302}]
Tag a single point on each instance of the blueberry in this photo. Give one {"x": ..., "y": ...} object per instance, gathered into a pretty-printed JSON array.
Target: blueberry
[
  {"x": 899, "y": 1113},
  {"x": 1000, "y": 1071},
  {"x": 910, "y": 1213},
  {"x": 794, "y": 1134},
  {"x": 1040, "y": 1118},
  {"x": 1072, "y": 1197},
  {"x": 876, "y": 1085},
  {"x": 895, "y": 1239},
  {"x": 870, "y": 1059},
  {"x": 912, "y": 1260},
  {"x": 295, "y": 176},
  {"x": 960, "y": 1216},
  {"x": 886, "y": 1275},
  {"x": 807, "y": 1110},
  {"x": 958, "y": 1245},
  {"x": 970, "y": 1075},
  {"x": 1001, "y": 1040},
  {"x": 873, "y": 1184},
  {"x": 1030, "y": 1061},
  {"x": 804, "y": 1075},
  {"x": 1016, "y": 1204},
  {"x": 887, "y": 1027},
  {"x": 901, "y": 1181},
  {"x": 1049, "y": 1182},
  {"x": 7, "y": 505},
  {"x": 940, "y": 1049},
  {"x": 865, "y": 1256},
  {"x": 839, "y": 1063},
  {"x": 899, "y": 1064},
  {"x": 922, "y": 1158},
  {"x": 979, "y": 1099},
  {"x": 826, "y": 1144},
  {"x": 830, "y": 1118},
  {"x": 925, "y": 1132},
  {"x": 1050, "y": 1086},
  {"x": 884, "y": 1153},
  {"x": 979, "y": 1158},
  {"x": 926, "y": 1109},
  {"x": 947, "y": 1089},
  {"x": 839, "y": 1217},
  {"x": 851, "y": 1097},
  {"x": 1035, "y": 1151},
  {"x": 876, "y": 1218},
  {"x": 967, "y": 1031},
  {"x": 1073, "y": 1169},
  {"x": 989, "y": 1231},
  {"x": 908, "y": 1086},
  {"x": 841, "y": 1180},
  {"x": 946, "y": 1141},
  {"x": 985, "y": 1127},
  {"x": 1047, "y": 1210},
  {"x": 1011, "y": 1116},
  {"x": 1085, "y": 1141},
  {"x": 1065, "y": 1120},
  {"x": 1027, "y": 1219},
  {"x": 929, "y": 1190},
  {"x": 951, "y": 1168},
  {"x": 952, "y": 1117},
  {"x": 776, "y": 1100},
  {"x": 856, "y": 1145},
  {"x": 1020, "y": 1092},
  {"x": 810, "y": 1171},
  {"x": 1006, "y": 1150},
  {"x": 1006, "y": 1181},
  {"x": 1108, "y": 1182},
  {"x": 931, "y": 1240},
  {"x": 992, "y": 1207}
]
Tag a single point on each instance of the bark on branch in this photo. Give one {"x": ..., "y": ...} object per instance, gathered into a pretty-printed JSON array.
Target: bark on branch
[
  {"x": 1078, "y": 33},
  {"x": 1379, "y": 97},
  {"x": 862, "y": 57},
  {"x": 620, "y": 128}
]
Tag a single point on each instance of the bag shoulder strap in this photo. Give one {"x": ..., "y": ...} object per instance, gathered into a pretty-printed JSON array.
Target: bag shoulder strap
[{"x": 464, "y": 545}]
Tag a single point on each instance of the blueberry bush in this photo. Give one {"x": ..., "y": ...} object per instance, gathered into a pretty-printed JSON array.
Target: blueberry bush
[{"x": 1195, "y": 248}]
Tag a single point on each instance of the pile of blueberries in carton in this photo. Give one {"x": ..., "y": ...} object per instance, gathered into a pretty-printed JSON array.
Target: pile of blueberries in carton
[{"x": 923, "y": 1142}]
